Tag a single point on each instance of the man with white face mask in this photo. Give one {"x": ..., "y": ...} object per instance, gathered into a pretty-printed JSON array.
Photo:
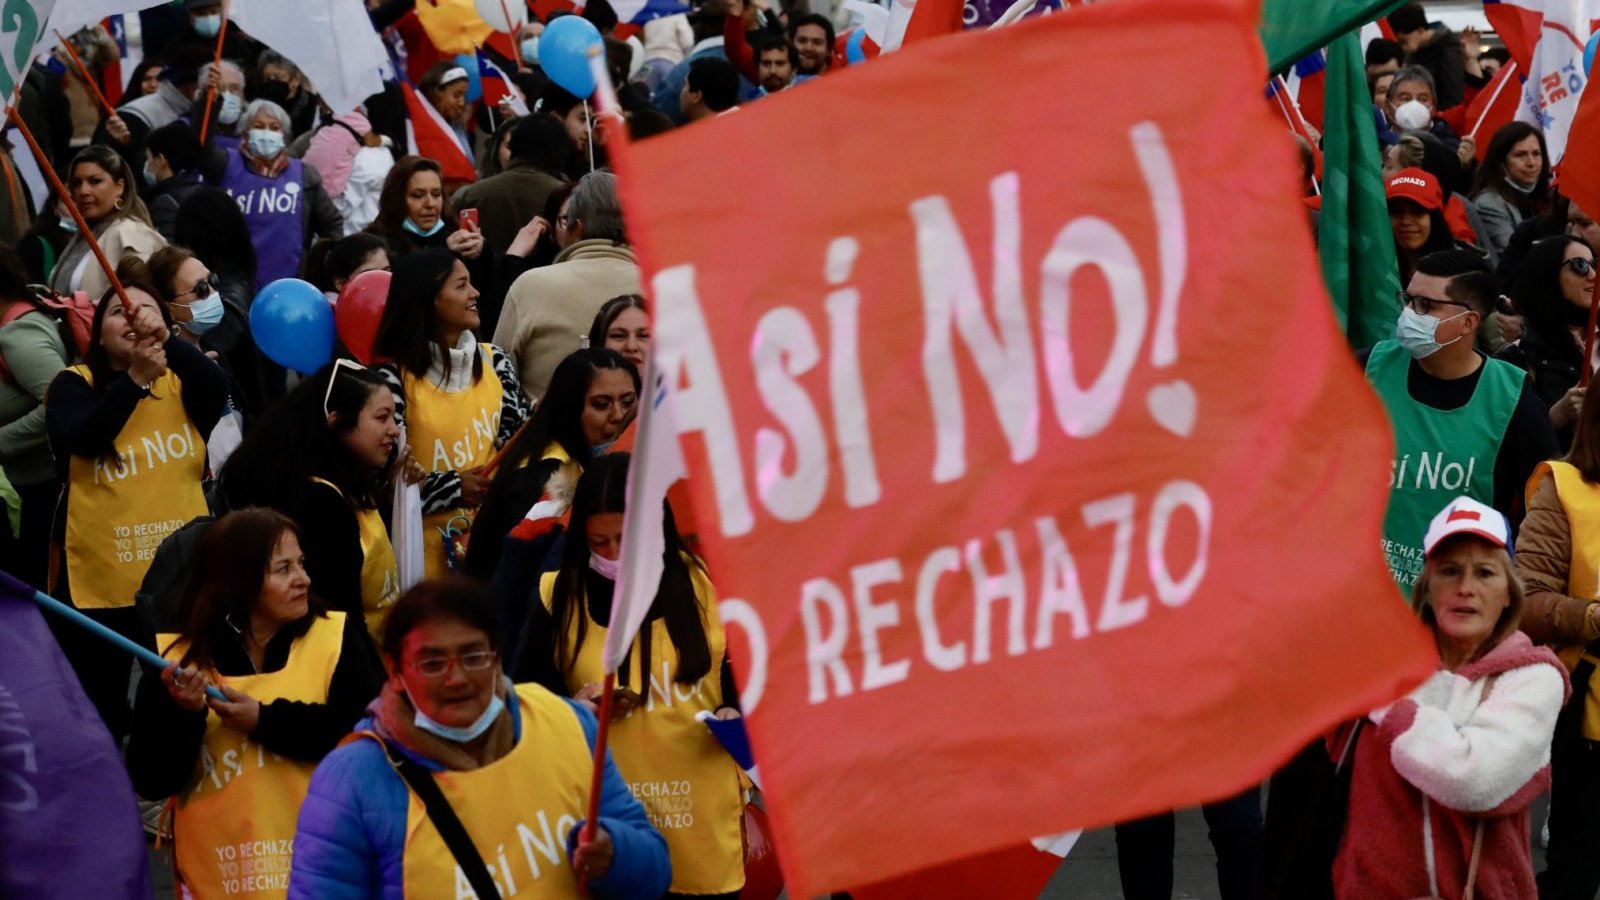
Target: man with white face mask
[{"x": 1463, "y": 423}]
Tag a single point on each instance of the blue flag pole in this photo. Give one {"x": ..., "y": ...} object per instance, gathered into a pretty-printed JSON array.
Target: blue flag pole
[{"x": 52, "y": 605}]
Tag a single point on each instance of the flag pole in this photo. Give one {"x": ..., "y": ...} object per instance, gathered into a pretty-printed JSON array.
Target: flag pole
[
  {"x": 56, "y": 607},
  {"x": 83, "y": 72},
  {"x": 516, "y": 49},
  {"x": 216, "y": 67},
  {"x": 1510, "y": 70},
  {"x": 500, "y": 456},
  {"x": 84, "y": 230}
]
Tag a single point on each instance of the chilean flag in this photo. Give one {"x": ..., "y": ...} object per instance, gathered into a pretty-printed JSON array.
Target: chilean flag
[
  {"x": 638, "y": 12},
  {"x": 1493, "y": 106},
  {"x": 1307, "y": 83},
  {"x": 111, "y": 80},
  {"x": 493, "y": 81},
  {"x": 1518, "y": 25},
  {"x": 428, "y": 134}
]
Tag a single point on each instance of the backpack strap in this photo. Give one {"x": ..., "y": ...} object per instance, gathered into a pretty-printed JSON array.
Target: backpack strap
[{"x": 447, "y": 823}]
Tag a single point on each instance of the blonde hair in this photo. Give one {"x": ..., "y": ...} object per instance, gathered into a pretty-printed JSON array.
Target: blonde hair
[{"x": 1510, "y": 617}]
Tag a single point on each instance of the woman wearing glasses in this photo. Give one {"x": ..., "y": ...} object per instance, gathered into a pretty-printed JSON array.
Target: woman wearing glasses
[
  {"x": 128, "y": 428},
  {"x": 321, "y": 457},
  {"x": 450, "y": 738},
  {"x": 295, "y": 678},
  {"x": 676, "y": 668},
  {"x": 210, "y": 316},
  {"x": 1553, "y": 290},
  {"x": 459, "y": 398}
]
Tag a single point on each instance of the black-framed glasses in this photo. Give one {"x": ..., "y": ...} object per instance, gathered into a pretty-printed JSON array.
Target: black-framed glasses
[
  {"x": 436, "y": 666},
  {"x": 1583, "y": 268},
  {"x": 1426, "y": 305},
  {"x": 202, "y": 288}
]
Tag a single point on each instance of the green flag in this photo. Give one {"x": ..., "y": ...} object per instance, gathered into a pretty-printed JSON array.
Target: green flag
[
  {"x": 1291, "y": 29},
  {"x": 1353, "y": 236}
]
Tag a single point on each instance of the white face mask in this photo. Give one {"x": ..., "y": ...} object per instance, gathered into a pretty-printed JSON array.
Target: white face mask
[
  {"x": 464, "y": 734},
  {"x": 606, "y": 568},
  {"x": 1416, "y": 332},
  {"x": 1412, "y": 114},
  {"x": 265, "y": 144},
  {"x": 230, "y": 108}
]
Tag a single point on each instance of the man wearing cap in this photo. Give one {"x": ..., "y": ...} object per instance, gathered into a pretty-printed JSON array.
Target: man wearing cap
[{"x": 1463, "y": 423}]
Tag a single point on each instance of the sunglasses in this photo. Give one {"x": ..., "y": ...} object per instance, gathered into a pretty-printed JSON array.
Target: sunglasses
[
  {"x": 202, "y": 288},
  {"x": 1580, "y": 267},
  {"x": 338, "y": 364}
]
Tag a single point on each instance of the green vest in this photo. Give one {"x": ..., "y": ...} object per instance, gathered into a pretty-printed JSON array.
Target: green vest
[{"x": 1438, "y": 454}]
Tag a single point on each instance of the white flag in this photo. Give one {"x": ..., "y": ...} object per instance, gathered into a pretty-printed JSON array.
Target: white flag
[
  {"x": 332, "y": 41},
  {"x": 657, "y": 463},
  {"x": 1557, "y": 79},
  {"x": 24, "y": 26}
]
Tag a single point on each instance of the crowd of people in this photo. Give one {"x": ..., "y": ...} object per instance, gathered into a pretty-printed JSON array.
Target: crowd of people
[{"x": 173, "y": 482}]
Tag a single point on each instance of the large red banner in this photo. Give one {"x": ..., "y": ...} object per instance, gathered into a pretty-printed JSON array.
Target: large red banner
[{"x": 1027, "y": 455}]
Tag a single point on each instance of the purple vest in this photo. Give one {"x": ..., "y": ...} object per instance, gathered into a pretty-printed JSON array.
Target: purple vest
[{"x": 274, "y": 210}]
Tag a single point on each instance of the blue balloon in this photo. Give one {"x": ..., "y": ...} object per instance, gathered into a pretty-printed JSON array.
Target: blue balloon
[
  {"x": 474, "y": 85},
  {"x": 292, "y": 323},
  {"x": 564, "y": 53},
  {"x": 1588, "y": 53}
]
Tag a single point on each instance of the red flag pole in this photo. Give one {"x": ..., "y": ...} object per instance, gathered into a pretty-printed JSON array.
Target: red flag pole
[
  {"x": 216, "y": 68},
  {"x": 516, "y": 50},
  {"x": 88, "y": 79},
  {"x": 77, "y": 215},
  {"x": 597, "y": 776}
]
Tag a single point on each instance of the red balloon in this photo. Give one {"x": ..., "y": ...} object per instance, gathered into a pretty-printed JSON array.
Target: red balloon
[
  {"x": 358, "y": 311},
  {"x": 763, "y": 879}
]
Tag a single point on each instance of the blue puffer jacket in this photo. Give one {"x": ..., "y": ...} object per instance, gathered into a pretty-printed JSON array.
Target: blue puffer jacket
[{"x": 350, "y": 839}]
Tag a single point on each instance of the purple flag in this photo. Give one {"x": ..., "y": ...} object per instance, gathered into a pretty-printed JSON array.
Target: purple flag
[
  {"x": 69, "y": 822},
  {"x": 983, "y": 13}
]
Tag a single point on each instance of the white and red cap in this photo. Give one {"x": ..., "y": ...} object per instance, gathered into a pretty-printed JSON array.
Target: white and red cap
[{"x": 1465, "y": 515}]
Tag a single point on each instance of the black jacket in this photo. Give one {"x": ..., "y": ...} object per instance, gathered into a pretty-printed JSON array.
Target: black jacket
[
  {"x": 1441, "y": 55},
  {"x": 165, "y": 197},
  {"x": 1552, "y": 371}
]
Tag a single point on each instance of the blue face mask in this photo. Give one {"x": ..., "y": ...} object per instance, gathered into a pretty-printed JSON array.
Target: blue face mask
[
  {"x": 265, "y": 144},
  {"x": 530, "y": 51},
  {"x": 206, "y": 312},
  {"x": 231, "y": 108},
  {"x": 461, "y": 735},
  {"x": 149, "y": 176},
  {"x": 208, "y": 26},
  {"x": 411, "y": 227}
]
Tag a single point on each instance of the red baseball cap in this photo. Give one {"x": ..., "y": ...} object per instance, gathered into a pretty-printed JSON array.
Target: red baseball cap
[{"x": 1417, "y": 186}]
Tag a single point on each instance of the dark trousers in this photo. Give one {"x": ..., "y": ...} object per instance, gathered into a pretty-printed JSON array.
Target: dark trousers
[
  {"x": 27, "y": 554},
  {"x": 1572, "y": 863},
  {"x": 105, "y": 672},
  {"x": 1144, "y": 849}
]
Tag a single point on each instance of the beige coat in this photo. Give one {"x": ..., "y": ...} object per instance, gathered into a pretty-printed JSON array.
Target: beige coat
[
  {"x": 549, "y": 310},
  {"x": 127, "y": 236},
  {"x": 1544, "y": 557}
]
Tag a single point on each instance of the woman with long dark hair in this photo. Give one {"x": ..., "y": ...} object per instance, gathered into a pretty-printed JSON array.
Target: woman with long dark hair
[
  {"x": 591, "y": 398},
  {"x": 321, "y": 457},
  {"x": 676, "y": 668},
  {"x": 1513, "y": 183},
  {"x": 1416, "y": 214},
  {"x": 331, "y": 264},
  {"x": 1552, "y": 290},
  {"x": 415, "y": 214},
  {"x": 128, "y": 428},
  {"x": 296, "y": 677},
  {"x": 459, "y": 398}
]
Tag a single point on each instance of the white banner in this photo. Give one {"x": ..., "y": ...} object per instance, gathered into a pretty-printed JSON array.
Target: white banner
[
  {"x": 22, "y": 24},
  {"x": 332, "y": 41}
]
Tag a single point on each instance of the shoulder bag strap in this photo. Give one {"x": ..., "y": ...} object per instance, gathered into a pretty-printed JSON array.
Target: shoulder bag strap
[
  {"x": 1477, "y": 831},
  {"x": 449, "y": 825}
]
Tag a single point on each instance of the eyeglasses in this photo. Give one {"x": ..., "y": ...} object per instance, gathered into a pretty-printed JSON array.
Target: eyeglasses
[
  {"x": 202, "y": 288},
  {"x": 340, "y": 363},
  {"x": 564, "y": 220},
  {"x": 436, "y": 666},
  {"x": 1580, "y": 267},
  {"x": 1426, "y": 305}
]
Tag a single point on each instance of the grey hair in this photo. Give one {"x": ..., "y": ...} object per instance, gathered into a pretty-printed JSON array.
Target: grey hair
[
  {"x": 274, "y": 58},
  {"x": 1411, "y": 73},
  {"x": 595, "y": 203},
  {"x": 228, "y": 65},
  {"x": 272, "y": 109}
]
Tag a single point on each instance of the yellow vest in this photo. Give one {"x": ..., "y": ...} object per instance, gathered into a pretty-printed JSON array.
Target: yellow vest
[
  {"x": 517, "y": 810},
  {"x": 1581, "y": 500},
  {"x": 380, "y": 571},
  {"x": 688, "y": 783},
  {"x": 451, "y": 433},
  {"x": 120, "y": 508},
  {"x": 233, "y": 831}
]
